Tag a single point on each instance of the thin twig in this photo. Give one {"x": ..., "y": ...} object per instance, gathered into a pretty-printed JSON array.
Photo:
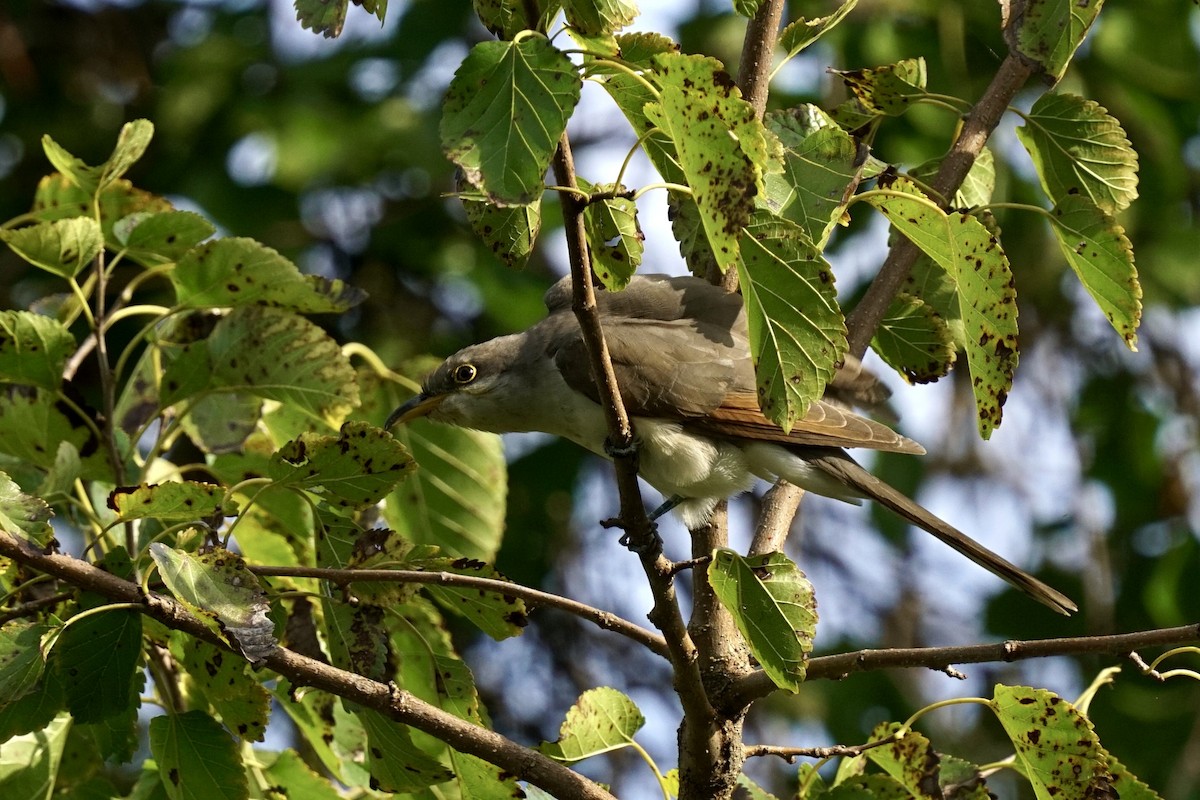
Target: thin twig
[
  {"x": 400, "y": 705},
  {"x": 603, "y": 619},
  {"x": 790, "y": 754}
]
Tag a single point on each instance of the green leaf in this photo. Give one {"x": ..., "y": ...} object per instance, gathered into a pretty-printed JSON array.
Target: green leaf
[
  {"x": 33, "y": 349},
  {"x": 34, "y": 711},
  {"x": 822, "y": 165},
  {"x": 888, "y": 90},
  {"x": 222, "y": 422},
  {"x": 1096, "y": 248},
  {"x": 721, "y": 145},
  {"x": 772, "y": 604},
  {"x": 456, "y": 500},
  {"x": 24, "y": 514},
  {"x": 335, "y": 735},
  {"x": 289, "y": 770},
  {"x": 153, "y": 238},
  {"x": 614, "y": 237},
  {"x": 507, "y": 18},
  {"x": 29, "y": 763},
  {"x": 132, "y": 142},
  {"x": 21, "y": 659},
  {"x": 174, "y": 501},
  {"x": 798, "y": 35},
  {"x": 689, "y": 232},
  {"x": 197, "y": 758},
  {"x": 496, "y": 615},
  {"x": 1056, "y": 747},
  {"x": 797, "y": 333},
  {"x": 910, "y": 760},
  {"x": 222, "y": 680},
  {"x": 504, "y": 113},
  {"x": 1078, "y": 147},
  {"x": 1126, "y": 784},
  {"x": 1046, "y": 33},
  {"x": 602, "y": 720},
  {"x": 356, "y": 468},
  {"x": 751, "y": 790},
  {"x": 977, "y": 187},
  {"x": 34, "y": 424},
  {"x": 240, "y": 272},
  {"x": 57, "y": 198},
  {"x": 508, "y": 231},
  {"x": 63, "y": 247},
  {"x": 97, "y": 658},
  {"x": 593, "y": 17},
  {"x": 395, "y": 763},
  {"x": 326, "y": 17},
  {"x": 215, "y": 584},
  {"x": 868, "y": 787},
  {"x": 428, "y": 665},
  {"x": 914, "y": 340},
  {"x": 983, "y": 297},
  {"x": 277, "y": 355}
]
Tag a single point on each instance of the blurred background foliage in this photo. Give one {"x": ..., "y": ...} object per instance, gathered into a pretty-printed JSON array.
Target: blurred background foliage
[{"x": 328, "y": 151}]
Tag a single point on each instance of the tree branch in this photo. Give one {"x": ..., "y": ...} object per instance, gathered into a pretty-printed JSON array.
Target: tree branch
[
  {"x": 976, "y": 128},
  {"x": 602, "y": 619},
  {"x": 842, "y": 665},
  {"x": 397, "y": 704}
]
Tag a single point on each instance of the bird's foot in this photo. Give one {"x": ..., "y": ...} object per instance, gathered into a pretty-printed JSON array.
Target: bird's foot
[
  {"x": 651, "y": 544},
  {"x": 615, "y": 450}
]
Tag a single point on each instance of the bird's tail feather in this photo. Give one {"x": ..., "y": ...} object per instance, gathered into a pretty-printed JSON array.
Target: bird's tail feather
[{"x": 845, "y": 469}]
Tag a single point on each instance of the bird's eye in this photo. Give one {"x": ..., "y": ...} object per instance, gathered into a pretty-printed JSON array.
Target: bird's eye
[{"x": 464, "y": 373}]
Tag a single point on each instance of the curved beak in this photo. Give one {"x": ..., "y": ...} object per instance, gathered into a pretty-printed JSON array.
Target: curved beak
[{"x": 417, "y": 407}]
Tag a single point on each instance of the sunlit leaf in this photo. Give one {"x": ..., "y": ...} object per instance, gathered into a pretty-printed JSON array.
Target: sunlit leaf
[
  {"x": 507, "y": 18},
  {"x": 238, "y": 272},
  {"x": 33, "y": 425},
  {"x": 1056, "y": 747},
  {"x": 602, "y": 720},
  {"x": 1046, "y": 33},
  {"x": 984, "y": 297},
  {"x": 976, "y": 189},
  {"x": 216, "y": 583},
  {"x": 772, "y": 604},
  {"x": 797, "y": 334},
  {"x": 64, "y": 247},
  {"x": 21, "y": 659},
  {"x": 326, "y": 17},
  {"x": 357, "y": 467},
  {"x": 802, "y": 32},
  {"x": 614, "y": 237},
  {"x": 1078, "y": 147},
  {"x": 504, "y": 113},
  {"x": 174, "y": 501},
  {"x": 198, "y": 758},
  {"x": 395, "y": 763},
  {"x": 508, "y": 231},
  {"x": 910, "y": 760},
  {"x": 1097, "y": 249},
  {"x": 154, "y": 238},
  {"x": 57, "y": 198},
  {"x": 223, "y": 680},
  {"x": 914, "y": 340},
  {"x": 889, "y": 90},
  {"x": 33, "y": 349},
  {"x": 496, "y": 615},
  {"x": 593, "y": 17},
  {"x": 23, "y": 513},
  {"x": 132, "y": 142},
  {"x": 29, "y": 763}
]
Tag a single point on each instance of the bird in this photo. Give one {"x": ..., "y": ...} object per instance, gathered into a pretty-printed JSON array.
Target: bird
[{"x": 680, "y": 351}]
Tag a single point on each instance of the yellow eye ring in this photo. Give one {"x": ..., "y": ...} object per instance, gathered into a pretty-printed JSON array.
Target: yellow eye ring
[{"x": 464, "y": 373}]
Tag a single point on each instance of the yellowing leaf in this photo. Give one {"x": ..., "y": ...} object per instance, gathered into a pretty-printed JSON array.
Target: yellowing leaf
[
  {"x": 602, "y": 720},
  {"x": 1046, "y": 33},
  {"x": 63, "y": 247}
]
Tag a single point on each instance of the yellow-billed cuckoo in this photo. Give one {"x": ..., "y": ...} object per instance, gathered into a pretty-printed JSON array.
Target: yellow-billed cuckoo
[{"x": 680, "y": 350}]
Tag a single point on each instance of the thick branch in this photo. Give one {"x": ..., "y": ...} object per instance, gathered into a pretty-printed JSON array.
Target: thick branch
[
  {"x": 842, "y": 665},
  {"x": 976, "y": 128},
  {"x": 399, "y": 705},
  {"x": 535, "y": 597},
  {"x": 779, "y": 507}
]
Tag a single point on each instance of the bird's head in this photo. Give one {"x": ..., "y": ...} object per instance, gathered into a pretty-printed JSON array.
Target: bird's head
[{"x": 467, "y": 388}]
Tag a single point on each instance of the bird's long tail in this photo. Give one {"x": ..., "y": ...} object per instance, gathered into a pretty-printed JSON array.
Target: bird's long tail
[{"x": 845, "y": 469}]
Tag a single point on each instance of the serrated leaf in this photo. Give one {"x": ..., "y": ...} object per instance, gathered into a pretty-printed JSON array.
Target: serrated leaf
[
  {"x": 33, "y": 425},
  {"x": 24, "y": 514},
  {"x": 614, "y": 237},
  {"x": 35, "y": 710},
  {"x": 1056, "y": 747},
  {"x": 772, "y": 604},
  {"x": 132, "y": 142},
  {"x": 504, "y": 113},
  {"x": 496, "y": 615},
  {"x": 356, "y": 468},
  {"x": 507, "y": 18},
  {"x": 1097, "y": 249},
  {"x": 326, "y": 17},
  {"x": 602, "y": 720},
  {"x": 798, "y": 35},
  {"x": 153, "y": 238},
  {"x": 239, "y": 272},
  {"x": 984, "y": 298},
  {"x": 689, "y": 232},
  {"x": 797, "y": 334},
  {"x": 222, "y": 680},
  {"x": 751, "y": 790},
  {"x": 21, "y": 659},
  {"x": 719, "y": 141},
  {"x": 508, "y": 231},
  {"x": 889, "y": 90},
  {"x": 174, "y": 501},
  {"x": 456, "y": 500},
  {"x": 197, "y": 758},
  {"x": 1046, "y": 33},
  {"x": 822, "y": 165},
  {"x": 33, "y": 349},
  {"x": 976, "y": 189},
  {"x": 910, "y": 760},
  {"x": 868, "y": 787},
  {"x": 1126, "y": 784},
  {"x": 395, "y": 763},
  {"x": 29, "y": 763},
  {"x": 593, "y": 17},
  {"x": 216, "y": 583},
  {"x": 914, "y": 340},
  {"x": 57, "y": 198},
  {"x": 64, "y": 247},
  {"x": 277, "y": 355},
  {"x": 1078, "y": 147}
]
